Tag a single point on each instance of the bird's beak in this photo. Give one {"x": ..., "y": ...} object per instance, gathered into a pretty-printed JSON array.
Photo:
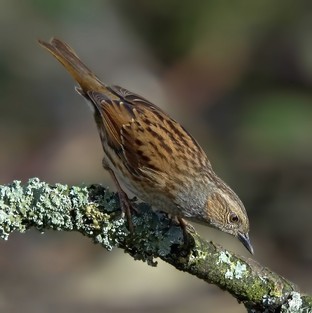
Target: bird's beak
[{"x": 244, "y": 238}]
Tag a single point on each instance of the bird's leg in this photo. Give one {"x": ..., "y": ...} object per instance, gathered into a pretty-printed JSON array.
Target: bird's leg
[
  {"x": 125, "y": 204},
  {"x": 179, "y": 221},
  {"x": 184, "y": 226},
  {"x": 183, "y": 223}
]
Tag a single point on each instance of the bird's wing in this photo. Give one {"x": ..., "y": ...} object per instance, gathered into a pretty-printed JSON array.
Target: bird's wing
[{"x": 153, "y": 145}]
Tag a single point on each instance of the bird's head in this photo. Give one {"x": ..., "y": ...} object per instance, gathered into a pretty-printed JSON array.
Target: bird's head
[{"x": 226, "y": 212}]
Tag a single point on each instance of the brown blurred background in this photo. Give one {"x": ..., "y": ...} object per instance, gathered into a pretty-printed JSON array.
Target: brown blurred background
[{"x": 238, "y": 76}]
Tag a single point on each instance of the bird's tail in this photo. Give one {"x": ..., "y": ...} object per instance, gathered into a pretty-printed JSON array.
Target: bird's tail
[{"x": 69, "y": 59}]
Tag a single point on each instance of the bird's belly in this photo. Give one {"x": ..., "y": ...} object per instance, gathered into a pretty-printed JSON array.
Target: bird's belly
[
  {"x": 152, "y": 196},
  {"x": 142, "y": 188}
]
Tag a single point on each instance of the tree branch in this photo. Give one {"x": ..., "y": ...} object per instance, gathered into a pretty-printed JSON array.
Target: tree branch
[{"x": 95, "y": 212}]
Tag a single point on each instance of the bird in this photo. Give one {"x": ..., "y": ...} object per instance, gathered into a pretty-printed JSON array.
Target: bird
[{"x": 153, "y": 156}]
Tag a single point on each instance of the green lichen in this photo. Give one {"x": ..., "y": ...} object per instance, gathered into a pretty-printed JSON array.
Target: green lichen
[
  {"x": 110, "y": 232},
  {"x": 94, "y": 218}
]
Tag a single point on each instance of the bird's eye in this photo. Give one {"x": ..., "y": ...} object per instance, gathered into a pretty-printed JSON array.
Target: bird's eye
[{"x": 234, "y": 218}]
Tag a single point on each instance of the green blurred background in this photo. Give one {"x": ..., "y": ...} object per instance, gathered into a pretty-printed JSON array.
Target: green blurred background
[{"x": 237, "y": 75}]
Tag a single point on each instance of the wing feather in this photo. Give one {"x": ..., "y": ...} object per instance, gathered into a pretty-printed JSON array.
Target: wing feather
[{"x": 152, "y": 144}]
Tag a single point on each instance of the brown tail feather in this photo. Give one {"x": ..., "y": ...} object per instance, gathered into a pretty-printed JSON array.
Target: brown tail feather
[{"x": 69, "y": 59}]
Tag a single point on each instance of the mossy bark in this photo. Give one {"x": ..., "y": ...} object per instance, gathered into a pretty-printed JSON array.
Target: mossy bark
[{"x": 95, "y": 212}]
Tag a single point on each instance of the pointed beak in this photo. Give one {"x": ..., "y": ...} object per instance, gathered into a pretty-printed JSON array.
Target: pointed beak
[{"x": 244, "y": 239}]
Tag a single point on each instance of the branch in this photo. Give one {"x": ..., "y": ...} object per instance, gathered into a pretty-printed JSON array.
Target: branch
[{"x": 95, "y": 212}]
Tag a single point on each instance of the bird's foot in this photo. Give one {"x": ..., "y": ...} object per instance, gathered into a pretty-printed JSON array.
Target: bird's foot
[{"x": 127, "y": 208}]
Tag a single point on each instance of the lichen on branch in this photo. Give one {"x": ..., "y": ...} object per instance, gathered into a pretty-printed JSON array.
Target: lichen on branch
[{"x": 94, "y": 211}]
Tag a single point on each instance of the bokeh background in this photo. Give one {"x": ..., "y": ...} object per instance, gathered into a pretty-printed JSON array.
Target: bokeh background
[{"x": 237, "y": 75}]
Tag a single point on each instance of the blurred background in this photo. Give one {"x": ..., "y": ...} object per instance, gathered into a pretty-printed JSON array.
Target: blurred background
[{"x": 237, "y": 75}]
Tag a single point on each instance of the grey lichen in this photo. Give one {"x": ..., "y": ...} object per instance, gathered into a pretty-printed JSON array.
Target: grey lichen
[
  {"x": 234, "y": 269},
  {"x": 13, "y": 206},
  {"x": 240, "y": 270},
  {"x": 294, "y": 304},
  {"x": 60, "y": 207},
  {"x": 37, "y": 202},
  {"x": 224, "y": 257},
  {"x": 112, "y": 234},
  {"x": 153, "y": 235}
]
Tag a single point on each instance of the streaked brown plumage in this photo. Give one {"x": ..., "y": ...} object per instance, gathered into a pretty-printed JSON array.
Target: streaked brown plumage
[{"x": 154, "y": 156}]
